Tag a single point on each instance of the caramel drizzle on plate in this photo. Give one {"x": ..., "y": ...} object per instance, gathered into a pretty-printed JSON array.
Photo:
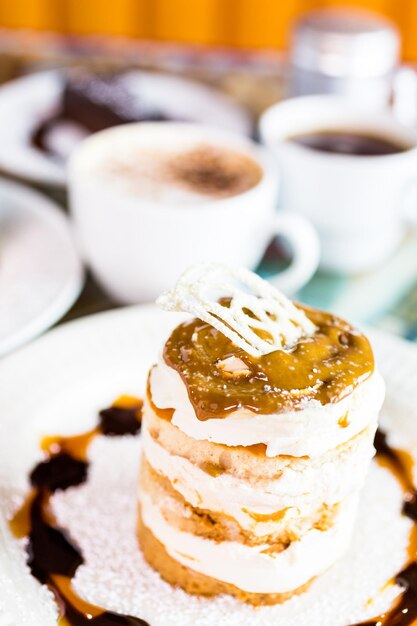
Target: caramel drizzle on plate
[
  {"x": 53, "y": 557},
  {"x": 404, "y": 610}
]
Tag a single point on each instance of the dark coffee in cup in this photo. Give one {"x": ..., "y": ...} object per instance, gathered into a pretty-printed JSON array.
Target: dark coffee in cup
[{"x": 349, "y": 142}]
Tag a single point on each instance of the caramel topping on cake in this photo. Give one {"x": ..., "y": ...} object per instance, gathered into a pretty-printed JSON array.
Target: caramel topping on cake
[
  {"x": 248, "y": 310},
  {"x": 325, "y": 367}
]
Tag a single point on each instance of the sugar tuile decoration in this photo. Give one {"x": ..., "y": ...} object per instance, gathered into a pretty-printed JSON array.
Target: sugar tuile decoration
[{"x": 259, "y": 318}]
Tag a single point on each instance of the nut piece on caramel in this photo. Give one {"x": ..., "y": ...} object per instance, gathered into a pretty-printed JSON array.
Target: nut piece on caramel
[{"x": 233, "y": 367}]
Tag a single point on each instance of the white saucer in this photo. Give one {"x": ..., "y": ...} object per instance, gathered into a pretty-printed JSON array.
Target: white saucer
[
  {"x": 40, "y": 272},
  {"x": 58, "y": 384},
  {"x": 27, "y": 101}
]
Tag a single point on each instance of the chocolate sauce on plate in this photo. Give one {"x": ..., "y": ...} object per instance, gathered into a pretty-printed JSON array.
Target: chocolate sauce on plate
[
  {"x": 53, "y": 557},
  {"x": 404, "y": 610},
  {"x": 117, "y": 421}
]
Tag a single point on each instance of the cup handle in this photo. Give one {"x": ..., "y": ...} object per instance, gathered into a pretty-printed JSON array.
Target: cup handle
[
  {"x": 305, "y": 246},
  {"x": 409, "y": 205},
  {"x": 404, "y": 92}
]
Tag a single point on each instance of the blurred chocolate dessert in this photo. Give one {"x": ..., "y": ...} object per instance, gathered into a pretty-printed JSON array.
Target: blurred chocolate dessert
[
  {"x": 86, "y": 102},
  {"x": 98, "y": 101},
  {"x": 91, "y": 102}
]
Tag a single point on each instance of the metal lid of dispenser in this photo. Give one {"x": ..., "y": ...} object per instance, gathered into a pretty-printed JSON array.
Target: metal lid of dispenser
[{"x": 345, "y": 43}]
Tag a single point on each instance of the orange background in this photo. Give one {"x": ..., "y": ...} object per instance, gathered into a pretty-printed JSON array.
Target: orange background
[{"x": 243, "y": 23}]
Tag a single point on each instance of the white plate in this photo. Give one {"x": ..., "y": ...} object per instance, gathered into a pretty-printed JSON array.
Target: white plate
[
  {"x": 26, "y": 101},
  {"x": 58, "y": 384},
  {"x": 40, "y": 272}
]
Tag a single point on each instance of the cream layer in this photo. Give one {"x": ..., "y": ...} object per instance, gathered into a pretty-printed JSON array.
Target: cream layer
[
  {"x": 311, "y": 430},
  {"x": 253, "y": 568},
  {"x": 294, "y": 493}
]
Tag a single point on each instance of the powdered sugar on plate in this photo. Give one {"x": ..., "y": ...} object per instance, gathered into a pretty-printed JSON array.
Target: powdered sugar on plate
[
  {"x": 66, "y": 378},
  {"x": 101, "y": 517}
]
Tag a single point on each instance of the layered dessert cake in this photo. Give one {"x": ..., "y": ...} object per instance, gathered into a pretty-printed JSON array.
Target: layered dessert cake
[{"x": 258, "y": 430}]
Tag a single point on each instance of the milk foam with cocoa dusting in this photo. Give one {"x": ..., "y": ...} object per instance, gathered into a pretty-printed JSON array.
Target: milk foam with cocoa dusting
[{"x": 184, "y": 171}]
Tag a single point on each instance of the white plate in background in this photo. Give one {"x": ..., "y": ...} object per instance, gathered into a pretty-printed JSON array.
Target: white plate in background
[
  {"x": 41, "y": 274},
  {"x": 26, "y": 101}
]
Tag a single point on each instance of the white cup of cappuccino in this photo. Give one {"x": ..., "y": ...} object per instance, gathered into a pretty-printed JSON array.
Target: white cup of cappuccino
[
  {"x": 150, "y": 199},
  {"x": 357, "y": 203}
]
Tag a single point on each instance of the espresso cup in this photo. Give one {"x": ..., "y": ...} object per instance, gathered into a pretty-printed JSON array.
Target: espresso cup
[
  {"x": 150, "y": 199},
  {"x": 358, "y": 204}
]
